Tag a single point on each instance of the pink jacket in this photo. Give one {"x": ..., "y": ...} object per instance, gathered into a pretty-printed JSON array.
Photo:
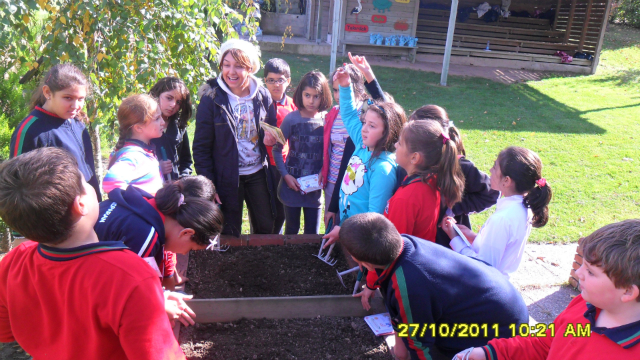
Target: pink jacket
[{"x": 328, "y": 125}]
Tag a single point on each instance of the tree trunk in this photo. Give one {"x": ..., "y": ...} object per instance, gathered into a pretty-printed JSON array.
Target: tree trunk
[
  {"x": 94, "y": 132},
  {"x": 5, "y": 240}
]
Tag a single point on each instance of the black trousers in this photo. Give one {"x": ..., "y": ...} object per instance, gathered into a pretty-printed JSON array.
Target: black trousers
[
  {"x": 279, "y": 220},
  {"x": 311, "y": 220},
  {"x": 254, "y": 191}
]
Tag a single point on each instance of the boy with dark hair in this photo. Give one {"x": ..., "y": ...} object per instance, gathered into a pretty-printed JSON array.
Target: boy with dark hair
[
  {"x": 440, "y": 302},
  {"x": 277, "y": 76},
  {"x": 65, "y": 295},
  {"x": 601, "y": 323}
]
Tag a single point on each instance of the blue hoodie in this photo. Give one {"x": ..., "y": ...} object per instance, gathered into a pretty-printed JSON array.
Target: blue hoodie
[
  {"x": 366, "y": 185},
  {"x": 130, "y": 216}
]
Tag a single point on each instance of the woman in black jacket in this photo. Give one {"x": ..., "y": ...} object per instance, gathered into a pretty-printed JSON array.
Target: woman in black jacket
[{"x": 228, "y": 145}]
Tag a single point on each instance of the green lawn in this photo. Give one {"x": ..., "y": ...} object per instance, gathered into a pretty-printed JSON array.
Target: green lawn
[{"x": 586, "y": 129}]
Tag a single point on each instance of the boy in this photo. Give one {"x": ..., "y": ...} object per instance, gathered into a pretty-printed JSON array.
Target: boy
[
  {"x": 277, "y": 76},
  {"x": 65, "y": 295},
  {"x": 440, "y": 302},
  {"x": 601, "y": 323}
]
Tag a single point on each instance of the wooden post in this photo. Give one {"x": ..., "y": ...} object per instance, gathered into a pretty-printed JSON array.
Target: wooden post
[
  {"x": 449, "y": 43},
  {"x": 572, "y": 12},
  {"x": 555, "y": 20},
  {"x": 585, "y": 26},
  {"x": 603, "y": 28},
  {"x": 5, "y": 240},
  {"x": 310, "y": 17},
  {"x": 335, "y": 32},
  {"x": 414, "y": 27}
]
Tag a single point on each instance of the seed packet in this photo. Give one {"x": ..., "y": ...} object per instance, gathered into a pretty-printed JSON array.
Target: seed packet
[{"x": 309, "y": 183}]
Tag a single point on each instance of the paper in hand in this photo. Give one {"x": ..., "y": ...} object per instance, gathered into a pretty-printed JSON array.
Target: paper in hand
[{"x": 274, "y": 131}]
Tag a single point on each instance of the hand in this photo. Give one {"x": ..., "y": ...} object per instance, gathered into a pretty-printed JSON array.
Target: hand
[
  {"x": 269, "y": 140},
  {"x": 476, "y": 354},
  {"x": 321, "y": 180},
  {"x": 292, "y": 183},
  {"x": 180, "y": 279},
  {"x": 216, "y": 198},
  {"x": 328, "y": 215},
  {"x": 332, "y": 236},
  {"x": 447, "y": 226},
  {"x": 365, "y": 296},
  {"x": 470, "y": 235},
  {"x": 166, "y": 167},
  {"x": 342, "y": 77},
  {"x": 169, "y": 283},
  {"x": 177, "y": 309},
  {"x": 363, "y": 65}
]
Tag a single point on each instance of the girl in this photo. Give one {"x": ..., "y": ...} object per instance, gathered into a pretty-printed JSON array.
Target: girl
[
  {"x": 134, "y": 161},
  {"x": 517, "y": 174},
  {"x": 303, "y": 129},
  {"x": 338, "y": 147},
  {"x": 174, "y": 100},
  {"x": 228, "y": 146},
  {"x": 179, "y": 219},
  {"x": 370, "y": 178},
  {"x": 57, "y": 120},
  {"x": 478, "y": 195}
]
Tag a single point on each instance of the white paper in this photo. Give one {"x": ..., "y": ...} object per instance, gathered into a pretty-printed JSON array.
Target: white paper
[
  {"x": 309, "y": 183},
  {"x": 380, "y": 323},
  {"x": 154, "y": 265}
]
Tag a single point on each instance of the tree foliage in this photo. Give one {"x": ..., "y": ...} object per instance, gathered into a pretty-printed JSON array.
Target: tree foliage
[
  {"x": 123, "y": 46},
  {"x": 626, "y": 12}
]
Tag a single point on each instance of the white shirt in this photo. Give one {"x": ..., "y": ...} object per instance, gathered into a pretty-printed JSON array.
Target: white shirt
[{"x": 501, "y": 240}]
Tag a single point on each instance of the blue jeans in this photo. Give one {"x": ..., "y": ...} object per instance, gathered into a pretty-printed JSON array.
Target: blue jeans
[{"x": 311, "y": 220}]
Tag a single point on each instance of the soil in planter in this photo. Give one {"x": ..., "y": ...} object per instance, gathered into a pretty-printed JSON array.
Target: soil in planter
[
  {"x": 264, "y": 271},
  {"x": 309, "y": 339}
]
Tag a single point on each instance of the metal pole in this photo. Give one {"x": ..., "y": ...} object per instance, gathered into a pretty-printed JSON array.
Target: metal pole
[
  {"x": 447, "y": 48},
  {"x": 337, "y": 10}
]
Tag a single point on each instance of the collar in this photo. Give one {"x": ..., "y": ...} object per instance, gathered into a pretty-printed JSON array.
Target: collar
[
  {"x": 152, "y": 202},
  {"x": 283, "y": 101},
  {"x": 626, "y": 335},
  {"x": 48, "y": 113},
  {"x": 389, "y": 269},
  {"x": 135, "y": 142},
  {"x": 411, "y": 179},
  {"x": 57, "y": 254},
  {"x": 254, "y": 85},
  {"x": 504, "y": 202}
]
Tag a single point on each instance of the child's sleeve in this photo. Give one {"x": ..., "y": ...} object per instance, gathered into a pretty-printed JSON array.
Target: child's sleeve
[
  {"x": 278, "y": 158},
  {"x": 88, "y": 158},
  {"x": 145, "y": 332},
  {"x": 185, "y": 160},
  {"x": 478, "y": 195},
  {"x": 139, "y": 237},
  {"x": 381, "y": 185},
  {"x": 497, "y": 232},
  {"x": 6, "y": 335},
  {"x": 22, "y": 142},
  {"x": 169, "y": 262},
  {"x": 204, "y": 138},
  {"x": 349, "y": 114},
  {"x": 375, "y": 90},
  {"x": 120, "y": 174}
]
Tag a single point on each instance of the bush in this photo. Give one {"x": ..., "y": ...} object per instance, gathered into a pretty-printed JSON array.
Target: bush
[
  {"x": 626, "y": 12},
  {"x": 13, "y": 106}
]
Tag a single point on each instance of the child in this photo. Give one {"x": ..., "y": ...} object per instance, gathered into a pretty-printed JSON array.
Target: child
[
  {"x": 370, "y": 179},
  {"x": 277, "y": 76},
  {"x": 134, "y": 161},
  {"x": 174, "y": 221},
  {"x": 303, "y": 129},
  {"x": 478, "y": 195},
  {"x": 229, "y": 144},
  {"x": 57, "y": 120},
  {"x": 601, "y": 323},
  {"x": 174, "y": 101},
  {"x": 517, "y": 174},
  {"x": 65, "y": 295},
  {"x": 439, "y": 290},
  {"x": 337, "y": 144}
]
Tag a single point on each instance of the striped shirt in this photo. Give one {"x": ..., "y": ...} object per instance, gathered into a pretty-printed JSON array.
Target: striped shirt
[
  {"x": 137, "y": 165},
  {"x": 339, "y": 136}
]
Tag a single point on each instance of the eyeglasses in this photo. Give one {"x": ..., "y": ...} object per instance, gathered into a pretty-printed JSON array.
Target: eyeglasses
[{"x": 274, "y": 81}]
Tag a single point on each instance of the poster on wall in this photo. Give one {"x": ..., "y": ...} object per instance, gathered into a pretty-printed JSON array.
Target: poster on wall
[
  {"x": 382, "y": 5},
  {"x": 378, "y": 19},
  {"x": 401, "y": 25},
  {"x": 361, "y": 28},
  {"x": 403, "y": 1}
]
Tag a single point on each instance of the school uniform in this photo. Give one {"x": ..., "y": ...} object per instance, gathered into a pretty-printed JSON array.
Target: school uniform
[
  {"x": 429, "y": 284},
  {"x": 44, "y": 129},
  {"x": 96, "y": 301},
  {"x": 503, "y": 236},
  {"x": 131, "y": 216},
  {"x": 415, "y": 207},
  {"x": 136, "y": 165},
  {"x": 566, "y": 341}
]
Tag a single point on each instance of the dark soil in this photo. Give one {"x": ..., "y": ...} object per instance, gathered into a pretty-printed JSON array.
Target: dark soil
[
  {"x": 309, "y": 339},
  {"x": 12, "y": 351},
  {"x": 264, "y": 271}
]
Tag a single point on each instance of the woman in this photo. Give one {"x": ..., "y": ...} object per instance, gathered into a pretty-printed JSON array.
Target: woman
[{"x": 229, "y": 146}]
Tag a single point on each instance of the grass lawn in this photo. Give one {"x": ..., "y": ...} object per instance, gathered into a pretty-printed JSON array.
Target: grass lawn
[{"x": 586, "y": 129}]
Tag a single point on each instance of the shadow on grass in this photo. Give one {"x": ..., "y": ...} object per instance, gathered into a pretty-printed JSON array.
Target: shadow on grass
[{"x": 619, "y": 78}]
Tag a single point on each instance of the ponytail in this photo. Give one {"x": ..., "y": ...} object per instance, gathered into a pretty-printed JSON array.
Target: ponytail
[
  {"x": 439, "y": 114},
  {"x": 439, "y": 157},
  {"x": 193, "y": 212},
  {"x": 524, "y": 167}
]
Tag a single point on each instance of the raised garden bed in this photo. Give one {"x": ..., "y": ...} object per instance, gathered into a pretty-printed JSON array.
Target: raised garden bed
[{"x": 319, "y": 338}]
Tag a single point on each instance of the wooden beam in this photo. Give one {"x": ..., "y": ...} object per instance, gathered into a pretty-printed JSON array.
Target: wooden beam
[
  {"x": 555, "y": 20},
  {"x": 447, "y": 49},
  {"x": 269, "y": 239},
  {"x": 603, "y": 28},
  {"x": 572, "y": 12},
  {"x": 585, "y": 25},
  {"x": 290, "y": 307}
]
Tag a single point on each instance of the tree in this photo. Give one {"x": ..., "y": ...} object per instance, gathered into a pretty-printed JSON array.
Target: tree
[{"x": 123, "y": 46}]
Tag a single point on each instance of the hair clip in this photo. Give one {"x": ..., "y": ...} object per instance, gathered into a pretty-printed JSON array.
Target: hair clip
[
  {"x": 445, "y": 137},
  {"x": 181, "y": 201},
  {"x": 542, "y": 182}
]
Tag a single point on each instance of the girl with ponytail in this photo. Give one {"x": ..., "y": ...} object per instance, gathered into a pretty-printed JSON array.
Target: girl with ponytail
[
  {"x": 478, "y": 195},
  {"x": 182, "y": 217},
  {"x": 517, "y": 174}
]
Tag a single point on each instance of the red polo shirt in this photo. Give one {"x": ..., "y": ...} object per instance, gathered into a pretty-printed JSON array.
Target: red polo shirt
[{"x": 283, "y": 108}]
